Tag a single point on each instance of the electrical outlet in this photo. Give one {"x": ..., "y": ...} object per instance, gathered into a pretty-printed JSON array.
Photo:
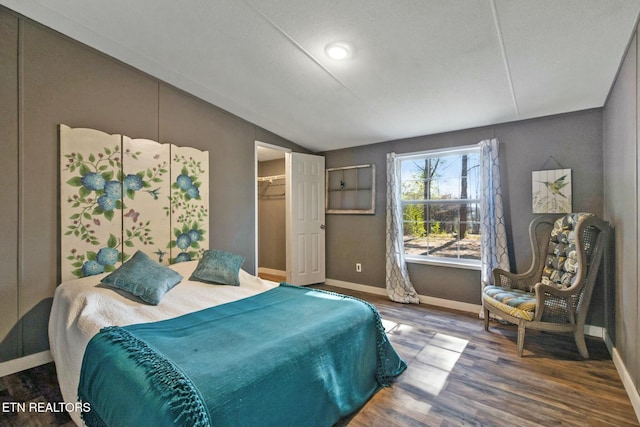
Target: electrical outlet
[{"x": 358, "y": 267}]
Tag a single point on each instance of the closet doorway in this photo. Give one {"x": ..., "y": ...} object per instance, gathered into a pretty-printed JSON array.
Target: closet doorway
[{"x": 271, "y": 244}]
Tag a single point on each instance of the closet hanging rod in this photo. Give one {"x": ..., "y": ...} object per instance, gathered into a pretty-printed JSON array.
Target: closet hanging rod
[
  {"x": 273, "y": 196},
  {"x": 271, "y": 178}
]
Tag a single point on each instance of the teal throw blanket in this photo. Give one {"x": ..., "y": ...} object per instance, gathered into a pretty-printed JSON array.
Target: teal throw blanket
[{"x": 290, "y": 356}]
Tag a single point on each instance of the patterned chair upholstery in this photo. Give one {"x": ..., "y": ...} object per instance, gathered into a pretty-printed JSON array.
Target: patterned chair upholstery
[{"x": 554, "y": 294}]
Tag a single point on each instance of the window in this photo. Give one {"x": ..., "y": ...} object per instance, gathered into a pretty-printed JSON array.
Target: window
[{"x": 441, "y": 206}]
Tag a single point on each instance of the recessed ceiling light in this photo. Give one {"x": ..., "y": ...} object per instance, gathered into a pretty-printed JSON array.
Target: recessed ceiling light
[{"x": 339, "y": 50}]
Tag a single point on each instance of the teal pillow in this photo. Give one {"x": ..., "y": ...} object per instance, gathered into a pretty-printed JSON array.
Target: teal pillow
[
  {"x": 218, "y": 267},
  {"x": 144, "y": 278}
]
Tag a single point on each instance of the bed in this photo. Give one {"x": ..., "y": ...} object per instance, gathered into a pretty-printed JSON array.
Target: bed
[{"x": 255, "y": 354}]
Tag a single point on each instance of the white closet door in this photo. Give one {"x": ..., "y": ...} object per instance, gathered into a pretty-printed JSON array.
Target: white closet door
[{"x": 305, "y": 219}]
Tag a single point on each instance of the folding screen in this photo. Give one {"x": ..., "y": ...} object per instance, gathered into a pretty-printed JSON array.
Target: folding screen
[
  {"x": 119, "y": 195},
  {"x": 189, "y": 203}
]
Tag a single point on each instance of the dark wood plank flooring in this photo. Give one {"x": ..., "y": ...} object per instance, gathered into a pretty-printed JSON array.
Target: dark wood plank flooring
[
  {"x": 37, "y": 386},
  {"x": 458, "y": 375}
]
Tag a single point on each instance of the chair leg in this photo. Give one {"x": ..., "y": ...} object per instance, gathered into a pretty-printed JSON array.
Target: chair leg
[
  {"x": 582, "y": 345},
  {"x": 520, "y": 338},
  {"x": 486, "y": 319}
]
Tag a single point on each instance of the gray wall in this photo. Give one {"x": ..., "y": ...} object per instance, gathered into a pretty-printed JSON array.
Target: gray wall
[
  {"x": 574, "y": 140},
  {"x": 47, "y": 79},
  {"x": 621, "y": 168},
  {"x": 9, "y": 196},
  {"x": 272, "y": 245}
]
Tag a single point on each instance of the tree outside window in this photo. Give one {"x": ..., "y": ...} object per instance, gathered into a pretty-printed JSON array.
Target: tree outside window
[{"x": 441, "y": 205}]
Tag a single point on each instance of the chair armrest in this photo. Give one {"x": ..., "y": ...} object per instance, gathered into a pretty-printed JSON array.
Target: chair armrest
[
  {"x": 555, "y": 296},
  {"x": 506, "y": 279},
  {"x": 541, "y": 289}
]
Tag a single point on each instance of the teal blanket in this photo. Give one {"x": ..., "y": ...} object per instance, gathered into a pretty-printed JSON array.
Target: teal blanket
[{"x": 290, "y": 356}]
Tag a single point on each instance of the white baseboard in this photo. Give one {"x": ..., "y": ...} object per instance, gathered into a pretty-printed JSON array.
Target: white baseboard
[
  {"x": 356, "y": 287},
  {"x": 439, "y": 302},
  {"x": 629, "y": 386},
  {"x": 595, "y": 331},
  {"x": 607, "y": 341},
  {"x": 454, "y": 305},
  {"x": 26, "y": 362}
]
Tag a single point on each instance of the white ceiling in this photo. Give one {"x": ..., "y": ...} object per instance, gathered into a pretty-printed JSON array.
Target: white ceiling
[
  {"x": 420, "y": 66},
  {"x": 265, "y": 153}
]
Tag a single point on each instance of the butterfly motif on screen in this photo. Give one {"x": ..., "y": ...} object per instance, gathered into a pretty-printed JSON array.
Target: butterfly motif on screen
[{"x": 133, "y": 215}]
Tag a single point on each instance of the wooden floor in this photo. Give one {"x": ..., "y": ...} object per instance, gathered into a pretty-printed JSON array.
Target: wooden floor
[
  {"x": 272, "y": 277},
  {"x": 37, "y": 386},
  {"x": 457, "y": 375},
  {"x": 460, "y": 375}
]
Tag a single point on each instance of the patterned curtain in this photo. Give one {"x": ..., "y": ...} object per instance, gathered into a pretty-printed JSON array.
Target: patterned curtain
[
  {"x": 492, "y": 228},
  {"x": 398, "y": 285}
]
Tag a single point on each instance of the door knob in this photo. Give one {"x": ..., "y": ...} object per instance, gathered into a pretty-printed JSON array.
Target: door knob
[{"x": 322, "y": 226}]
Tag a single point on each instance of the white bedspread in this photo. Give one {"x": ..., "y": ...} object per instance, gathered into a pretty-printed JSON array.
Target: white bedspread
[{"x": 82, "y": 307}]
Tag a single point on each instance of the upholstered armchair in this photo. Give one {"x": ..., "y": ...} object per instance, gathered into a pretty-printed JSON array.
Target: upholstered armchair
[{"x": 554, "y": 294}]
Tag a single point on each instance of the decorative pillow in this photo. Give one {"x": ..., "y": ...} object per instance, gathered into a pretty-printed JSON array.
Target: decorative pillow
[
  {"x": 561, "y": 263},
  {"x": 218, "y": 267},
  {"x": 144, "y": 278}
]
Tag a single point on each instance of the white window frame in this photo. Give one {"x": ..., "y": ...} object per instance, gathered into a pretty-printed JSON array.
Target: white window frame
[{"x": 436, "y": 260}]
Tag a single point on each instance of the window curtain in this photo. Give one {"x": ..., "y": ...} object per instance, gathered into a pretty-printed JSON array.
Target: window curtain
[
  {"x": 495, "y": 253},
  {"x": 398, "y": 285}
]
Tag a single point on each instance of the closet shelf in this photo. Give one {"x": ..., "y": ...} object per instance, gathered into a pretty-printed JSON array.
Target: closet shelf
[
  {"x": 271, "y": 186},
  {"x": 271, "y": 196},
  {"x": 271, "y": 178}
]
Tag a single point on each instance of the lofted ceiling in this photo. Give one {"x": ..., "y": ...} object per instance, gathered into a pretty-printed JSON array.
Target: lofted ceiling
[{"x": 419, "y": 66}]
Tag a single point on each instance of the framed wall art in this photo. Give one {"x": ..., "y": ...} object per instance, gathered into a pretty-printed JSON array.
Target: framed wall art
[
  {"x": 551, "y": 191},
  {"x": 351, "y": 190}
]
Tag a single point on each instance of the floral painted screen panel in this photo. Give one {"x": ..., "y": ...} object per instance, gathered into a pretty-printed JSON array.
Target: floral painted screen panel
[
  {"x": 90, "y": 202},
  {"x": 189, "y": 203},
  {"x": 146, "y": 183},
  {"x": 120, "y": 195}
]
